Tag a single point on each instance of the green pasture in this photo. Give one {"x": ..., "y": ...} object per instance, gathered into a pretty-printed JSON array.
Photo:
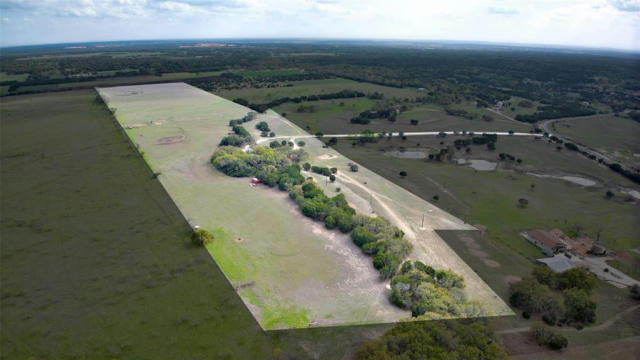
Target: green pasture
[
  {"x": 490, "y": 197},
  {"x": 615, "y": 136},
  {"x": 313, "y": 87}
]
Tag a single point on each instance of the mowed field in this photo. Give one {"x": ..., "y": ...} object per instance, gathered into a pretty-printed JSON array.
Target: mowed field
[{"x": 289, "y": 270}]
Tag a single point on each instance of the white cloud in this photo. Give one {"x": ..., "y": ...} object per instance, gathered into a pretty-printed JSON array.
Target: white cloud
[{"x": 611, "y": 23}]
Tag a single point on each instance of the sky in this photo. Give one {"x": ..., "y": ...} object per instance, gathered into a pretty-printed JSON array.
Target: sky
[{"x": 590, "y": 23}]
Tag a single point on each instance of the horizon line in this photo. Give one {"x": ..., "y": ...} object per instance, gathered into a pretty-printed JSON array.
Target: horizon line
[{"x": 407, "y": 40}]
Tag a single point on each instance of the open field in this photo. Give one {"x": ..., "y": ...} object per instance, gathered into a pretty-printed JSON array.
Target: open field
[
  {"x": 490, "y": 198},
  {"x": 332, "y": 117},
  {"x": 261, "y": 264},
  {"x": 616, "y": 137},
  {"x": 96, "y": 261}
]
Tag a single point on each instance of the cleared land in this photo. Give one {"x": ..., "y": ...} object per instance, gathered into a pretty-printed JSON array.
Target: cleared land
[{"x": 287, "y": 276}]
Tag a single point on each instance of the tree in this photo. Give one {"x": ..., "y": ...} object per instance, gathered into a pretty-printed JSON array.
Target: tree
[
  {"x": 577, "y": 278},
  {"x": 403, "y": 173},
  {"x": 522, "y": 202},
  {"x": 353, "y": 168},
  {"x": 580, "y": 308},
  {"x": 306, "y": 166},
  {"x": 263, "y": 126},
  {"x": 201, "y": 237},
  {"x": 301, "y": 143},
  {"x": 609, "y": 194},
  {"x": 443, "y": 340},
  {"x": 332, "y": 178}
]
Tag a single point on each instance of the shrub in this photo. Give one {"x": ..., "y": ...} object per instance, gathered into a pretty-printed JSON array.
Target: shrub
[
  {"x": 263, "y": 126},
  {"x": 545, "y": 336},
  {"x": 201, "y": 237},
  {"x": 580, "y": 308}
]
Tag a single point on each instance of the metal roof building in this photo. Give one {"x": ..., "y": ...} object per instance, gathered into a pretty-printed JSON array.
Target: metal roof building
[{"x": 558, "y": 263}]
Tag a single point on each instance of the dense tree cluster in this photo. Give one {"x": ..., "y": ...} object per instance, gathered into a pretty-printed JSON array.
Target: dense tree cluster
[
  {"x": 569, "y": 303},
  {"x": 381, "y": 111},
  {"x": 322, "y": 170},
  {"x": 385, "y": 242},
  {"x": 335, "y": 212},
  {"x": 435, "y": 340},
  {"x": 431, "y": 293},
  {"x": 263, "y": 163},
  {"x": 557, "y": 110}
]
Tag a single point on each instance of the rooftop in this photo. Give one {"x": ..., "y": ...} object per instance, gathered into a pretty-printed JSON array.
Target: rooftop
[{"x": 558, "y": 263}]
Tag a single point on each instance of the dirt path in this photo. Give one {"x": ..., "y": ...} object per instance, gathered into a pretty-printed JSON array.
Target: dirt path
[
  {"x": 403, "y": 225},
  {"x": 504, "y": 116}
]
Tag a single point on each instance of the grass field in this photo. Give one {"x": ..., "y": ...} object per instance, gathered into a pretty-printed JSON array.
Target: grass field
[
  {"x": 615, "y": 136},
  {"x": 289, "y": 270},
  {"x": 13, "y": 77},
  {"x": 490, "y": 198},
  {"x": 96, "y": 261},
  {"x": 332, "y": 117}
]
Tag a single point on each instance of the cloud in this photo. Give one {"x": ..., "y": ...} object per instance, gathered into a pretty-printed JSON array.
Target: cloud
[
  {"x": 626, "y": 5},
  {"x": 502, "y": 11}
]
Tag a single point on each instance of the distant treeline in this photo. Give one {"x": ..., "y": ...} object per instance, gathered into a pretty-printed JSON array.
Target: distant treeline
[
  {"x": 556, "y": 111},
  {"x": 447, "y": 76},
  {"x": 344, "y": 94}
]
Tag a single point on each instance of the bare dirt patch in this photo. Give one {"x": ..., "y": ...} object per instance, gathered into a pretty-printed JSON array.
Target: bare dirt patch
[
  {"x": 478, "y": 253},
  {"x": 327, "y": 157},
  {"x": 511, "y": 279},
  {"x": 171, "y": 140},
  {"x": 491, "y": 263}
]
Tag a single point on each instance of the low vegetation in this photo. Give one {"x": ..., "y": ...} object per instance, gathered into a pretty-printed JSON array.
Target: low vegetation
[
  {"x": 442, "y": 340},
  {"x": 546, "y": 336}
]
